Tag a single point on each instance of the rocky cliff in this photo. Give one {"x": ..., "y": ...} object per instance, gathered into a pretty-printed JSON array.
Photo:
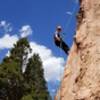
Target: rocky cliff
[{"x": 81, "y": 79}]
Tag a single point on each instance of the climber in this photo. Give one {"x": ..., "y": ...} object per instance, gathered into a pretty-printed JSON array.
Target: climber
[{"x": 59, "y": 41}]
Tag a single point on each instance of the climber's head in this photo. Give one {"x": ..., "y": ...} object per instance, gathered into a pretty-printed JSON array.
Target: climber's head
[{"x": 59, "y": 29}]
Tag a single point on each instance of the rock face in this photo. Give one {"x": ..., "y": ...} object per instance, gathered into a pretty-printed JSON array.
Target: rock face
[{"x": 81, "y": 79}]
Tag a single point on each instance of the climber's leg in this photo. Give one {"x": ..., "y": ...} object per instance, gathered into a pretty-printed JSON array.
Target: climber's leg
[{"x": 65, "y": 47}]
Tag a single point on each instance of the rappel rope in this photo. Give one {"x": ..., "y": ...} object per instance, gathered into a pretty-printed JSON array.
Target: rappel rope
[
  {"x": 69, "y": 21},
  {"x": 62, "y": 36}
]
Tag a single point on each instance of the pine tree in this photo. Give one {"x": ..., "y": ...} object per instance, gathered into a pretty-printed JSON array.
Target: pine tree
[
  {"x": 35, "y": 76},
  {"x": 20, "y": 52},
  {"x": 18, "y": 85},
  {"x": 11, "y": 78}
]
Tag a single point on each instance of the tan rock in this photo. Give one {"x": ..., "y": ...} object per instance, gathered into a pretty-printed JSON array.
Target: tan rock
[{"x": 81, "y": 79}]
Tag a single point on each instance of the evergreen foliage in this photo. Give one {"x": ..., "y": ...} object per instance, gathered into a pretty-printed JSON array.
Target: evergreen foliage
[{"x": 18, "y": 85}]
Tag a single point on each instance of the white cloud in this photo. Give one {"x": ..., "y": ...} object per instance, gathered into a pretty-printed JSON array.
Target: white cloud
[
  {"x": 26, "y": 30},
  {"x": 69, "y": 13},
  {"x": 6, "y": 26},
  {"x": 3, "y": 23},
  {"x": 7, "y": 41},
  {"x": 53, "y": 66},
  {"x": 8, "y": 54}
]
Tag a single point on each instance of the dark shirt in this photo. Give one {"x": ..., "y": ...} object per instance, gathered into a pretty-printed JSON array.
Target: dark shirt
[{"x": 60, "y": 43}]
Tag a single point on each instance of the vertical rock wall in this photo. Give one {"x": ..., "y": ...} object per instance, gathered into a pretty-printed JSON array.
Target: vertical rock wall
[{"x": 81, "y": 79}]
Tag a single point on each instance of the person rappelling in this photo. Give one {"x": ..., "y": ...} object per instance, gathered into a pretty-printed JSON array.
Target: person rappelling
[{"x": 59, "y": 41}]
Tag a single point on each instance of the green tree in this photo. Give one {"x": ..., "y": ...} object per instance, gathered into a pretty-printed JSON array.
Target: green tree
[
  {"x": 16, "y": 84},
  {"x": 20, "y": 51},
  {"x": 35, "y": 77},
  {"x": 11, "y": 86}
]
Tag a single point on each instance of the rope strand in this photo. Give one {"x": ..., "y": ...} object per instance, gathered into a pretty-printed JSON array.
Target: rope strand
[{"x": 67, "y": 25}]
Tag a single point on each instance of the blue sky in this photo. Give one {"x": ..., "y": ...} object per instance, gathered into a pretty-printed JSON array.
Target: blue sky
[{"x": 40, "y": 18}]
